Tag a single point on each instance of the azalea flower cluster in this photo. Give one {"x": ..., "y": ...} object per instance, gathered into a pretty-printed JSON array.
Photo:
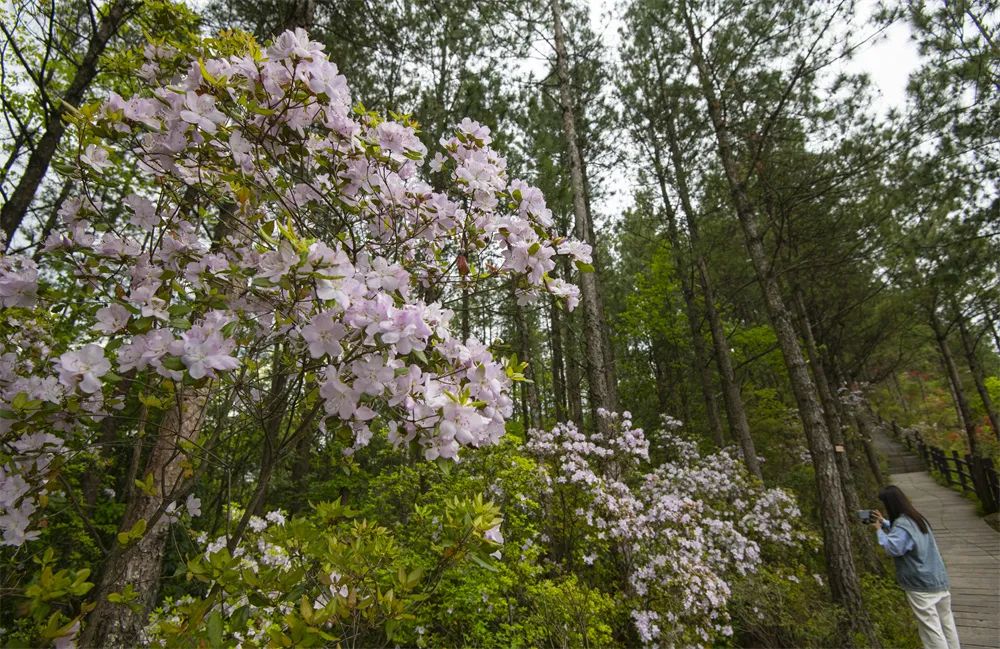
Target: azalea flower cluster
[
  {"x": 31, "y": 457},
  {"x": 683, "y": 530},
  {"x": 271, "y": 221},
  {"x": 27, "y": 453},
  {"x": 263, "y": 552}
]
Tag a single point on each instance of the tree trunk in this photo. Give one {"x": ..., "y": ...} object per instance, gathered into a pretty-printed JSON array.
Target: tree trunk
[
  {"x": 558, "y": 369},
  {"x": 597, "y": 371},
  {"x": 736, "y": 415},
  {"x": 830, "y": 413},
  {"x": 610, "y": 366},
  {"x": 530, "y": 387},
  {"x": 90, "y": 481},
  {"x": 301, "y": 469},
  {"x": 969, "y": 346},
  {"x": 681, "y": 262},
  {"x": 986, "y": 495},
  {"x": 275, "y": 405},
  {"x": 898, "y": 391},
  {"x": 953, "y": 388},
  {"x": 660, "y": 379},
  {"x": 574, "y": 387},
  {"x": 301, "y": 13},
  {"x": 865, "y": 432},
  {"x": 139, "y": 564},
  {"x": 16, "y": 208},
  {"x": 992, "y": 325},
  {"x": 844, "y": 581}
]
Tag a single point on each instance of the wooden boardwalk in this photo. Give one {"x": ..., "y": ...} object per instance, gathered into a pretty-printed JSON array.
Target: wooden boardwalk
[{"x": 970, "y": 547}]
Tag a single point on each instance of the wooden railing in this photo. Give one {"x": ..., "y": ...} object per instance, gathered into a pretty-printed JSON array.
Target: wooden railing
[{"x": 955, "y": 469}]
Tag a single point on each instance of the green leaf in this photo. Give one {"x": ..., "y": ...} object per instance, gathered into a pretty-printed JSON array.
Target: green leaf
[
  {"x": 306, "y": 609},
  {"x": 214, "y": 628},
  {"x": 205, "y": 73},
  {"x": 584, "y": 267},
  {"x": 414, "y": 577},
  {"x": 173, "y": 363},
  {"x": 147, "y": 485},
  {"x": 137, "y": 530},
  {"x": 150, "y": 401},
  {"x": 481, "y": 562},
  {"x": 20, "y": 401}
]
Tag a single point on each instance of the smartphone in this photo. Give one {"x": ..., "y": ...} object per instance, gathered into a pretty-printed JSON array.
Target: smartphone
[{"x": 866, "y": 516}]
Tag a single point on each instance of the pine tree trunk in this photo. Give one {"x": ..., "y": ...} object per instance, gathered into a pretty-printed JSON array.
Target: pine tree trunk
[
  {"x": 558, "y": 368},
  {"x": 953, "y": 388},
  {"x": 16, "y": 208},
  {"x": 969, "y": 346},
  {"x": 681, "y": 262},
  {"x": 139, "y": 564},
  {"x": 992, "y": 325},
  {"x": 986, "y": 495},
  {"x": 301, "y": 13},
  {"x": 90, "y": 481},
  {"x": 610, "y": 366},
  {"x": 574, "y": 386},
  {"x": 660, "y": 379},
  {"x": 736, "y": 415},
  {"x": 898, "y": 392},
  {"x": 865, "y": 432},
  {"x": 830, "y": 413},
  {"x": 597, "y": 371},
  {"x": 844, "y": 582},
  {"x": 530, "y": 387}
]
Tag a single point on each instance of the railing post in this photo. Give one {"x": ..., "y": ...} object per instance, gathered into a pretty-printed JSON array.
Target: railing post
[
  {"x": 943, "y": 463},
  {"x": 958, "y": 468},
  {"x": 991, "y": 478},
  {"x": 980, "y": 481}
]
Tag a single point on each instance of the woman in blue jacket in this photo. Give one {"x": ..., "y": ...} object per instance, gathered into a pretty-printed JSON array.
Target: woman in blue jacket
[{"x": 908, "y": 539}]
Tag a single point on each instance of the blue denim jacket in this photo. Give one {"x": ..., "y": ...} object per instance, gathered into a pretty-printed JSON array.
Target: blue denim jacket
[{"x": 919, "y": 566}]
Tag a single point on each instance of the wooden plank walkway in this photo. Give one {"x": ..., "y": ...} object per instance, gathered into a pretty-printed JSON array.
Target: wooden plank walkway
[{"x": 970, "y": 547}]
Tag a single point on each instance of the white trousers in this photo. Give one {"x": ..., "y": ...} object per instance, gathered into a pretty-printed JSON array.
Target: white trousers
[{"x": 935, "y": 623}]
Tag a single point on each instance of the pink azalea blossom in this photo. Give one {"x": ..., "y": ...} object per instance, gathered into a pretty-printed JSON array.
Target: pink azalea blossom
[
  {"x": 323, "y": 335},
  {"x": 84, "y": 367},
  {"x": 203, "y": 351},
  {"x": 111, "y": 319},
  {"x": 144, "y": 212},
  {"x": 96, "y": 157},
  {"x": 18, "y": 281},
  {"x": 201, "y": 110}
]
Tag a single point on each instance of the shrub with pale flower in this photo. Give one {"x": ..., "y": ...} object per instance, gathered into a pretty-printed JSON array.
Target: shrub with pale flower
[
  {"x": 269, "y": 217},
  {"x": 677, "y": 535}
]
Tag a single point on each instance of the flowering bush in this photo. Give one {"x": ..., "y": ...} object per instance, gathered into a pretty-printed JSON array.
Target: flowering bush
[
  {"x": 328, "y": 577},
  {"x": 519, "y": 598},
  {"x": 325, "y": 239},
  {"x": 676, "y": 536},
  {"x": 268, "y": 230}
]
